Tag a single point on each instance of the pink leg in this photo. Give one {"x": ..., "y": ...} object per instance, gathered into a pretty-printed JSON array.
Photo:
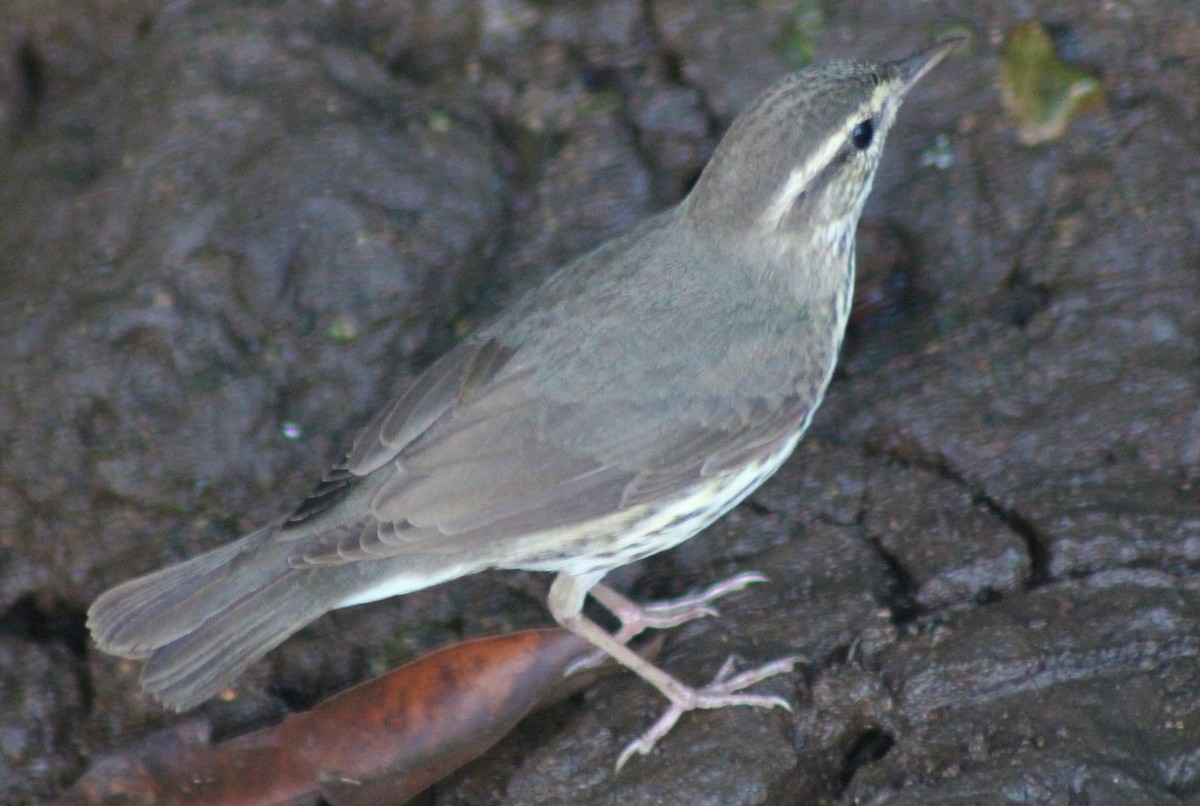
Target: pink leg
[
  {"x": 566, "y": 604},
  {"x": 636, "y": 618}
]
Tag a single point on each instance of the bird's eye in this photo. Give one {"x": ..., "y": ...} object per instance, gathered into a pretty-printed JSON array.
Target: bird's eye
[{"x": 863, "y": 134}]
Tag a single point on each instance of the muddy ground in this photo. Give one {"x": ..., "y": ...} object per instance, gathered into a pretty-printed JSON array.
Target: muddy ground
[{"x": 229, "y": 231}]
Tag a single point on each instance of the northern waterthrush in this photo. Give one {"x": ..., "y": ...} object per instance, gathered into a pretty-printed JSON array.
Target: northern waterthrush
[{"x": 615, "y": 411}]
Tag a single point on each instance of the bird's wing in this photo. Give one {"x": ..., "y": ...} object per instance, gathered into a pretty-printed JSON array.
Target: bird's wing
[{"x": 476, "y": 453}]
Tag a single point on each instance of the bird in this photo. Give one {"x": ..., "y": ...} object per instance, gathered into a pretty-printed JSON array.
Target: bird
[{"x": 613, "y": 412}]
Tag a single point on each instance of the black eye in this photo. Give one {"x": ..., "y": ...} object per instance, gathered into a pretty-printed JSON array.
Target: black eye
[{"x": 862, "y": 134}]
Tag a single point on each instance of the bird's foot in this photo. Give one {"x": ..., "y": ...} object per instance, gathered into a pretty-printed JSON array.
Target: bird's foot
[
  {"x": 636, "y": 618},
  {"x": 720, "y": 693}
]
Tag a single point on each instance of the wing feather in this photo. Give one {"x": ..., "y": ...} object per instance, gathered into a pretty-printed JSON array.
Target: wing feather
[{"x": 476, "y": 455}]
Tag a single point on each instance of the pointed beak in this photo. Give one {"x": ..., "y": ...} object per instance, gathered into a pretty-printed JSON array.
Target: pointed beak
[{"x": 912, "y": 68}]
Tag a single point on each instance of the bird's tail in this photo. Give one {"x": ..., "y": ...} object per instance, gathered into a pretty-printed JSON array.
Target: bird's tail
[{"x": 200, "y": 623}]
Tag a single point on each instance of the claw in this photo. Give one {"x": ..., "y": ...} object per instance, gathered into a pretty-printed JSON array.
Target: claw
[
  {"x": 635, "y": 618},
  {"x": 643, "y": 744},
  {"x": 720, "y": 693}
]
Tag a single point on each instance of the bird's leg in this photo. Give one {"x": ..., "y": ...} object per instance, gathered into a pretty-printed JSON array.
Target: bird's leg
[
  {"x": 637, "y": 618},
  {"x": 566, "y": 604}
]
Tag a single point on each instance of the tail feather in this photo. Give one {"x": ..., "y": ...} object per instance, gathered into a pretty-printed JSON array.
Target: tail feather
[
  {"x": 189, "y": 670},
  {"x": 199, "y": 624},
  {"x": 143, "y": 614}
]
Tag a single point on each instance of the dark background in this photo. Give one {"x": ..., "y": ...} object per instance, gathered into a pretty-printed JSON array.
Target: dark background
[{"x": 229, "y": 231}]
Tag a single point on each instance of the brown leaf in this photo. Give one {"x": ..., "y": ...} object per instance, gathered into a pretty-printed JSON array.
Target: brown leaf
[{"x": 382, "y": 741}]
